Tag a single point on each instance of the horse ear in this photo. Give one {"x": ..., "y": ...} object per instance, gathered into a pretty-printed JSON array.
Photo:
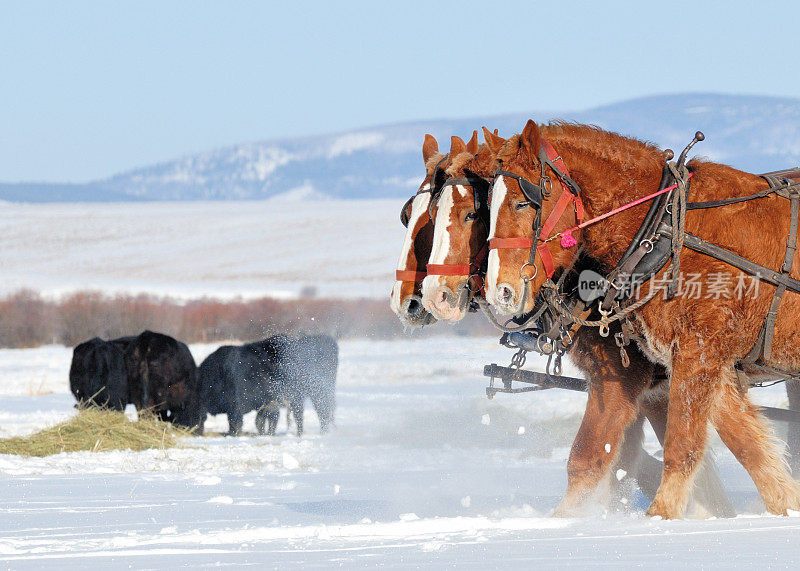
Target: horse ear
[
  {"x": 530, "y": 136},
  {"x": 472, "y": 145},
  {"x": 457, "y": 146},
  {"x": 493, "y": 141},
  {"x": 429, "y": 148}
]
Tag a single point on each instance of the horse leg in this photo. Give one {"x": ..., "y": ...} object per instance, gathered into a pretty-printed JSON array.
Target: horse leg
[
  {"x": 793, "y": 434},
  {"x": 744, "y": 432},
  {"x": 698, "y": 389},
  {"x": 691, "y": 393},
  {"x": 631, "y": 463},
  {"x": 611, "y": 407},
  {"x": 708, "y": 495}
]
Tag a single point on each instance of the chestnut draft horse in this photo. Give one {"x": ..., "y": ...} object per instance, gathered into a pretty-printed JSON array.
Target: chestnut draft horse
[
  {"x": 460, "y": 232},
  {"x": 699, "y": 339},
  {"x": 463, "y": 201},
  {"x": 406, "y": 296}
]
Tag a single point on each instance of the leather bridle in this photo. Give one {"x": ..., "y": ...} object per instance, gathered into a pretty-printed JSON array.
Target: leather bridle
[
  {"x": 480, "y": 194},
  {"x": 412, "y": 275},
  {"x": 536, "y": 194},
  {"x": 432, "y": 189}
]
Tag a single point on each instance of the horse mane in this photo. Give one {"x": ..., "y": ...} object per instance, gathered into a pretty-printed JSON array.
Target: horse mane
[{"x": 623, "y": 152}]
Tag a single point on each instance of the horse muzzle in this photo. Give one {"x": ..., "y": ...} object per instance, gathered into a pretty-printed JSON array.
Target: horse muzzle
[
  {"x": 506, "y": 300},
  {"x": 446, "y": 305},
  {"x": 413, "y": 314}
]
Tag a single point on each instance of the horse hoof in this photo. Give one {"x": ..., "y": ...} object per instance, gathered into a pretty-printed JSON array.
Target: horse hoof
[{"x": 660, "y": 511}]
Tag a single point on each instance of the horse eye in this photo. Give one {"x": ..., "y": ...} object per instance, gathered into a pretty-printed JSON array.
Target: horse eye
[
  {"x": 470, "y": 216},
  {"x": 521, "y": 205}
]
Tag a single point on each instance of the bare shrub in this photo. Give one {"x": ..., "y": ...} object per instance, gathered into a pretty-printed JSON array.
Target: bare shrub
[{"x": 27, "y": 320}]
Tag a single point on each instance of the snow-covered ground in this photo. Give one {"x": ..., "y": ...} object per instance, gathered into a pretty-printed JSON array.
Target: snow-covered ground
[
  {"x": 195, "y": 249},
  {"x": 422, "y": 470}
]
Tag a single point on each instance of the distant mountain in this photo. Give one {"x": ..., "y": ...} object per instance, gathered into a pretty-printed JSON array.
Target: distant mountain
[{"x": 752, "y": 133}]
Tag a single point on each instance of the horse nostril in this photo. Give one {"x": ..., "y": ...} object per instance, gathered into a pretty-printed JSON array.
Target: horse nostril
[
  {"x": 414, "y": 307},
  {"x": 505, "y": 294},
  {"x": 441, "y": 297}
]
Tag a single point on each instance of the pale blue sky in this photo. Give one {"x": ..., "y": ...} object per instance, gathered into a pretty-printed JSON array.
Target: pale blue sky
[{"x": 88, "y": 89}]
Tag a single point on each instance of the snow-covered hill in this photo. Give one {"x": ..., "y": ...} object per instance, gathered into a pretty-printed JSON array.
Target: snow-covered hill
[
  {"x": 749, "y": 132},
  {"x": 340, "y": 248}
]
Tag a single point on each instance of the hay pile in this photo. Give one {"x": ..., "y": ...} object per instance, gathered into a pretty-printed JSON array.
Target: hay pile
[{"x": 96, "y": 430}]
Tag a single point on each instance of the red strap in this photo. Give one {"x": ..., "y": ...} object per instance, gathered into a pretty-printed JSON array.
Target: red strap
[
  {"x": 409, "y": 276},
  {"x": 547, "y": 259},
  {"x": 554, "y": 156},
  {"x": 556, "y": 213},
  {"x": 449, "y": 269},
  {"x": 556, "y": 159},
  {"x": 459, "y": 269},
  {"x": 565, "y": 198},
  {"x": 510, "y": 243}
]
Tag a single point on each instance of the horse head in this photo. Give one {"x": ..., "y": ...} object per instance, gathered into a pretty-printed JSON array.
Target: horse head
[
  {"x": 417, "y": 216},
  {"x": 523, "y": 216},
  {"x": 457, "y": 263}
]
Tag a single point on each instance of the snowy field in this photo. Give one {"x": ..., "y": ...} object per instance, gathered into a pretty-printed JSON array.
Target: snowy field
[
  {"x": 421, "y": 471},
  {"x": 195, "y": 249}
]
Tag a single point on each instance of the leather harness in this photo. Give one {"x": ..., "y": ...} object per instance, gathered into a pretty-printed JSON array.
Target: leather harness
[{"x": 657, "y": 241}]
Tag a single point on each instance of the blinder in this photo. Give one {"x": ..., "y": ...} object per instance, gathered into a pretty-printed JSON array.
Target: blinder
[
  {"x": 404, "y": 211},
  {"x": 534, "y": 193},
  {"x": 432, "y": 189},
  {"x": 480, "y": 189}
]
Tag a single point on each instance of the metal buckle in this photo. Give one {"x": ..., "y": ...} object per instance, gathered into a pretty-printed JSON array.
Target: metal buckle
[{"x": 603, "y": 328}]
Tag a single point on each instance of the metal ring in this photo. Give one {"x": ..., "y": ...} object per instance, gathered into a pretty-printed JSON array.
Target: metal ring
[
  {"x": 535, "y": 271},
  {"x": 568, "y": 336},
  {"x": 541, "y": 344},
  {"x": 546, "y": 185},
  {"x": 557, "y": 366},
  {"x": 649, "y": 245}
]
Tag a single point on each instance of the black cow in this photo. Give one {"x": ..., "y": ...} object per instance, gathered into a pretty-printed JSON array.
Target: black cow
[
  {"x": 299, "y": 369},
  {"x": 97, "y": 375},
  {"x": 162, "y": 377},
  {"x": 233, "y": 381}
]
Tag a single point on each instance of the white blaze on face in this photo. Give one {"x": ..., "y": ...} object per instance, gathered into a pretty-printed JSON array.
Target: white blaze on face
[
  {"x": 419, "y": 206},
  {"x": 499, "y": 192},
  {"x": 441, "y": 237}
]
